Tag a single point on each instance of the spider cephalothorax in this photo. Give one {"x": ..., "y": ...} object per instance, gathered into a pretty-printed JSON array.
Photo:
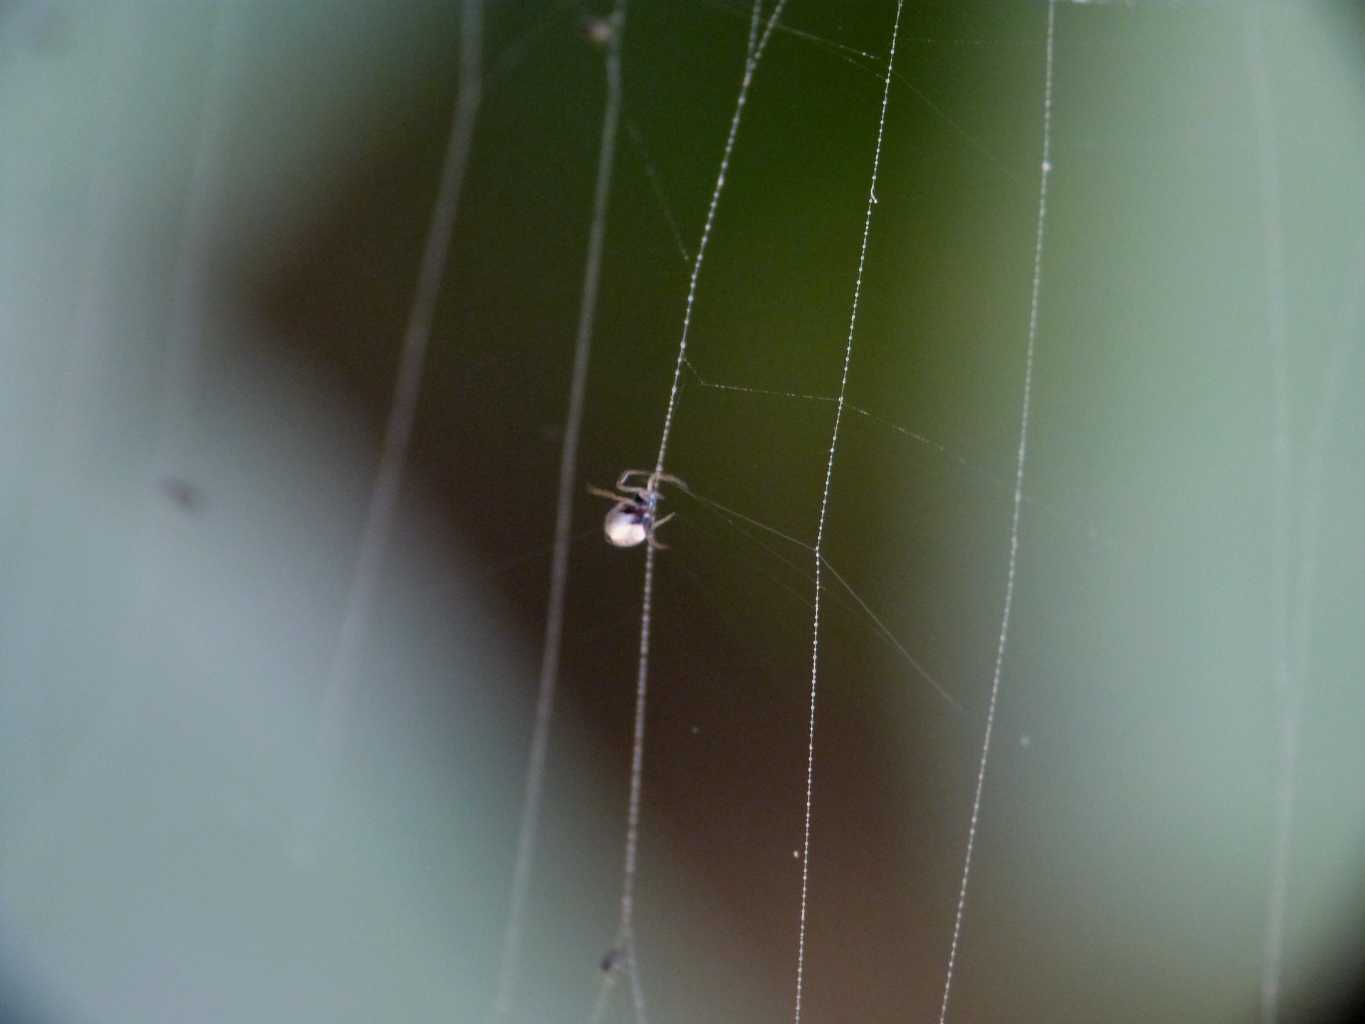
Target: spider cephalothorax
[{"x": 634, "y": 517}]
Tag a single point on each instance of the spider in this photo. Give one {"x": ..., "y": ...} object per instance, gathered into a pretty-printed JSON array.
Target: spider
[{"x": 631, "y": 520}]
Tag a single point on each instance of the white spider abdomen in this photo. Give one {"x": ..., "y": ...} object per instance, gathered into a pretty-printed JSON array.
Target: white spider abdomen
[{"x": 624, "y": 527}]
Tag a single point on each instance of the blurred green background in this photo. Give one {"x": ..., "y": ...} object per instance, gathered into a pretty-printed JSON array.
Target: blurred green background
[{"x": 212, "y": 220}]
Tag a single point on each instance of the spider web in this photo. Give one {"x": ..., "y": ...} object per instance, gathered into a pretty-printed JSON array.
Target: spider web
[
  {"x": 1147, "y": 795},
  {"x": 745, "y": 378}
]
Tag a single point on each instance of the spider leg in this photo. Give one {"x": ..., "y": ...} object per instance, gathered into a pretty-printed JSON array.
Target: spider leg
[
  {"x": 669, "y": 478},
  {"x": 658, "y": 545},
  {"x": 627, "y": 474},
  {"x": 598, "y": 492},
  {"x": 652, "y": 481}
]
